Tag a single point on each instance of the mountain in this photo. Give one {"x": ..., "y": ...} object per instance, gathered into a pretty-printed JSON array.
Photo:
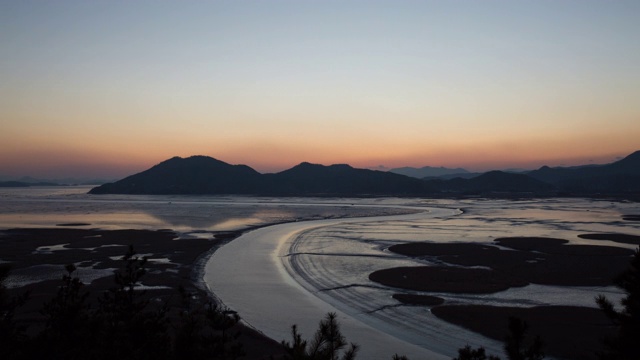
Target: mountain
[
  {"x": 427, "y": 171},
  {"x": 466, "y": 175},
  {"x": 14, "y": 184},
  {"x": 65, "y": 180},
  {"x": 193, "y": 175},
  {"x": 26, "y": 184},
  {"x": 495, "y": 182},
  {"x": 622, "y": 176},
  {"x": 313, "y": 179},
  {"x": 205, "y": 175}
]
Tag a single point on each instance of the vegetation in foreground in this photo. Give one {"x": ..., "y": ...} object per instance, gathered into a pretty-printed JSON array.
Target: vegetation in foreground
[{"x": 124, "y": 325}]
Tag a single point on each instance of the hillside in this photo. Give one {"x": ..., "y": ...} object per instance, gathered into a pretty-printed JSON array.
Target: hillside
[
  {"x": 192, "y": 175},
  {"x": 496, "y": 182},
  {"x": 313, "y": 179},
  {"x": 206, "y": 175},
  {"x": 619, "y": 177},
  {"x": 428, "y": 172}
]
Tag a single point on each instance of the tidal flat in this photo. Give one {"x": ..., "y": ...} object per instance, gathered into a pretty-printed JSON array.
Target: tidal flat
[{"x": 329, "y": 260}]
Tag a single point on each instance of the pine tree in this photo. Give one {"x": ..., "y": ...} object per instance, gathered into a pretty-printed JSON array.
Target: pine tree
[
  {"x": 327, "y": 343},
  {"x": 625, "y": 344}
]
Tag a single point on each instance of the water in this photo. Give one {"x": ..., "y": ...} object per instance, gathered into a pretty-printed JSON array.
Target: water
[
  {"x": 51, "y": 206},
  {"x": 333, "y": 262},
  {"x": 322, "y": 266}
]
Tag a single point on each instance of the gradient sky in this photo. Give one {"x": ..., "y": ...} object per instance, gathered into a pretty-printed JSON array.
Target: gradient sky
[{"x": 110, "y": 88}]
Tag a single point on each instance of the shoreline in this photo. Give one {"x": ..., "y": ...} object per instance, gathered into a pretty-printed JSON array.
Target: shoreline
[
  {"x": 197, "y": 266},
  {"x": 57, "y": 246},
  {"x": 265, "y": 297},
  {"x": 38, "y": 256}
]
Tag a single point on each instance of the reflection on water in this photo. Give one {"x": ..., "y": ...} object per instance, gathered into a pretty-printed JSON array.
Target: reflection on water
[
  {"x": 49, "y": 206},
  {"x": 334, "y": 262},
  {"x": 216, "y": 218}
]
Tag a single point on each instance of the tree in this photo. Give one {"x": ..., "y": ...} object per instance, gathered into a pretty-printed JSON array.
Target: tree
[
  {"x": 12, "y": 335},
  {"x": 624, "y": 345},
  {"x": 206, "y": 332},
  {"x": 327, "y": 343},
  {"x": 515, "y": 342},
  {"x": 127, "y": 327},
  {"x": 514, "y": 345},
  {"x": 67, "y": 333},
  {"x": 124, "y": 325},
  {"x": 467, "y": 353}
]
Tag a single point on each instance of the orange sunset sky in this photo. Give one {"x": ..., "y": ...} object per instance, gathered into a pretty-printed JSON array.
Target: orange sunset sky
[{"x": 110, "y": 88}]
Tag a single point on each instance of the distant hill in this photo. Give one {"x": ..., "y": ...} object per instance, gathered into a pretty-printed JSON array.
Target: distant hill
[
  {"x": 466, "y": 175},
  {"x": 622, "y": 176},
  {"x": 14, "y": 184},
  {"x": 313, "y": 179},
  {"x": 206, "y": 175},
  {"x": 495, "y": 182},
  {"x": 193, "y": 175},
  {"x": 32, "y": 181},
  {"x": 66, "y": 180},
  {"x": 427, "y": 171},
  {"x": 26, "y": 184}
]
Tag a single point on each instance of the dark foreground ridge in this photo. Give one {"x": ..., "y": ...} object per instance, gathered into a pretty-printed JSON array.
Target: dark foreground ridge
[{"x": 206, "y": 175}]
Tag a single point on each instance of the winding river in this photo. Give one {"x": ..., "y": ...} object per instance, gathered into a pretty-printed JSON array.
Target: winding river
[{"x": 256, "y": 276}]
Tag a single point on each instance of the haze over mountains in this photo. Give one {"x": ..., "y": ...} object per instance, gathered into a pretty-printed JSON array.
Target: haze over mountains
[
  {"x": 206, "y": 175},
  {"x": 28, "y": 181},
  {"x": 429, "y": 172}
]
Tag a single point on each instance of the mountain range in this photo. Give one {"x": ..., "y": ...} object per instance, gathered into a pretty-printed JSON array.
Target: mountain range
[
  {"x": 429, "y": 172},
  {"x": 206, "y": 175}
]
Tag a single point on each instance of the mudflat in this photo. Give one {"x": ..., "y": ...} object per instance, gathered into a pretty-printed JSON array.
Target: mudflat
[
  {"x": 472, "y": 268},
  {"x": 37, "y": 257}
]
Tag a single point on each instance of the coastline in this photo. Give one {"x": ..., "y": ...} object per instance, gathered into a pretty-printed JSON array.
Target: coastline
[
  {"x": 38, "y": 265},
  {"x": 176, "y": 257},
  {"x": 215, "y": 242},
  {"x": 265, "y": 296}
]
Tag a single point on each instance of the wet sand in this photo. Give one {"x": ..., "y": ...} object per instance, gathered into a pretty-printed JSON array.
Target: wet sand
[
  {"x": 269, "y": 298},
  {"x": 465, "y": 268},
  {"x": 99, "y": 251}
]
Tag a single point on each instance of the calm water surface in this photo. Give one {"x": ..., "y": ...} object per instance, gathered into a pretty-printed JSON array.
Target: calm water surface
[{"x": 326, "y": 263}]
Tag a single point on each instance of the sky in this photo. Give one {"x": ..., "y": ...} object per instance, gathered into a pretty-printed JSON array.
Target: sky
[{"x": 110, "y": 88}]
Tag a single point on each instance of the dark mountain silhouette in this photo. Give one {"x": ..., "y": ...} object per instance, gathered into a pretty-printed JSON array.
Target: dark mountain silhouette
[
  {"x": 193, "y": 175},
  {"x": 313, "y": 179},
  {"x": 14, "y": 184},
  {"x": 494, "y": 181},
  {"x": 427, "y": 171},
  {"x": 622, "y": 176},
  {"x": 205, "y": 175},
  {"x": 65, "y": 180},
  {"x": 467, "y": 175},
  {"x": 26, "y": 184}
]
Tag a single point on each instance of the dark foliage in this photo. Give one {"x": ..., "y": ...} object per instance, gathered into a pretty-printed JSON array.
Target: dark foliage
[
  {"x": 68, "y": 326},
  {"x": 467, "y": 353},
  {"x": 12, "y": 335},
  {"x": 206, "y": 332},
  {"x": 123, "y": 325},
  {"x": 327, "y": 343},
  {"x": 515, "y": 345},
  {"x": 625, "y": 345}
]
